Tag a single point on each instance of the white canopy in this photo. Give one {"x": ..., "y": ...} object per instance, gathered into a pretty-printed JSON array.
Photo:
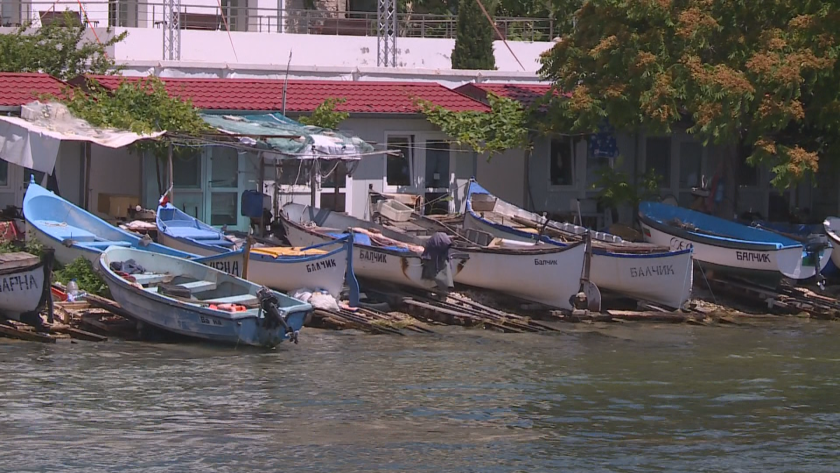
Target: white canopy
[{"x": 32, "y": 140}]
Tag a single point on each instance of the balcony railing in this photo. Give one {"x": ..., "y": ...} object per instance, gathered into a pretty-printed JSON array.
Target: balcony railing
[{"x": 198, "y": 15}]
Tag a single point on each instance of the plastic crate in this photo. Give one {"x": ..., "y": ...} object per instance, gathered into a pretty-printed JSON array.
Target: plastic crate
[{"x": 395, "y": 211}]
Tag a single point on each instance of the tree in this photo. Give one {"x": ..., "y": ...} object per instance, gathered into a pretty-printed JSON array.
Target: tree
[
  {"x": 758, "y": 75},
  {"x": 474, "y": 40},
  {"x": 504, "y": 127},
  {"x": 325, "y": 116},
  {"x": 59, "y": 48},
  {"x": 141, "y": 106}
]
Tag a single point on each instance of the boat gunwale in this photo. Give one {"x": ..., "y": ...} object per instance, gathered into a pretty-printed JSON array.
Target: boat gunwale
[
  {"x": 719, "y": 241},
  {"x": 160, "y": 298},
  {"x": 595, "y": 250}
]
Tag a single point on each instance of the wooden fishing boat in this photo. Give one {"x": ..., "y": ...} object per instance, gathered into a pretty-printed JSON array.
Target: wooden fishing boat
[
  {"x": 728, "y": 246},
  {"x": 539, "y": 273},
  {"x": 73, "y": 232},
  {"x": 319, "y": 266},
  {"x": 378, "y": 253},
  {"x": 24, "y": 284},
  {"x": 638, "y": 270},
  {"x": 832, "y": 227},
  {"x": 533, "y": 271},
  {"x": 194, "y": 300}
]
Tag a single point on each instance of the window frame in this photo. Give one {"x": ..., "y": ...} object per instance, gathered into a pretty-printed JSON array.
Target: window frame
[{"x": 573, "y": 164}]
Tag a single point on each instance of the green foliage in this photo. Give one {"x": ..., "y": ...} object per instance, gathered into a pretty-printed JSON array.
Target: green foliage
[
  {"x": 82, "y": 271},
  {"x": 60, "y": 51},
  {"x": 141, "y": 106},
  {"x": 759, "y": 74},
  {"x": 33, "y": 247},
  {"x": 325, "y": 116},
  {"x": 615, "y": 187},
  {"x": 474, "y": 37},
  {"x": 504, "y": 127}
]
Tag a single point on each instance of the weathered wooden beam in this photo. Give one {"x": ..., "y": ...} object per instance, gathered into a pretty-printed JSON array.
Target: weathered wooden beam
[{"x": 27, "y": 335}]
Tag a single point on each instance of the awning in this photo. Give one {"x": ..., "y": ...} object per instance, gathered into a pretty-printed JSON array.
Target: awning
[
  {"x": 32, "y": 140},
  {"x": 284, "y": 138}
]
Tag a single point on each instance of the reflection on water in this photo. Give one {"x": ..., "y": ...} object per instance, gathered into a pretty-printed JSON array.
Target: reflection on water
[{"x": 629, "y": 398}]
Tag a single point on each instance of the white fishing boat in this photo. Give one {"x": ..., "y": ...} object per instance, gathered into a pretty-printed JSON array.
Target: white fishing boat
[
  {"x": 730, "y": 247},
  {"x": 537, "y": 272},
  {"x": 321, "y": 266},
  {"x": 382, "y": 255},
  {"x": 641, "y": 271},
  {"x": 832, "y": 227},
  {"x": 24, "y": 284}
]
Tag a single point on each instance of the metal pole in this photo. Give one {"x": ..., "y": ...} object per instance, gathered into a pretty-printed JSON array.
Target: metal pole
[
  {"x": 171, "y": 176},
  {"x": 260, "y": 188}
]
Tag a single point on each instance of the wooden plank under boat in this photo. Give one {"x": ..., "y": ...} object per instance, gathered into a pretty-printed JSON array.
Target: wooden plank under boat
[
  {"x": 728, "y": 246},
  {"x": 191, "y": 299},
  {"x": 288, "y": 269},
  {"x": 642, "y": 271}
]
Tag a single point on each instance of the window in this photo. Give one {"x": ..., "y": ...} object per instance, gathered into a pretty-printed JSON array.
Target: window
[
  {"x": 294, "y": 172},
  {"x": 330, "y": 170},
  {"x": 4, "y": 173},
  {"x": 186, "y": 170},
  {"x": 437, "y": 164},
  {"x": 561, "y": 163},
  {"x": 691, "y": 164},
  {"x": 398, "y": 167},
  {"x": 223, "y": 208},
  {"x": 225, "y": 167},
  {"x": 658, "y": 159}
]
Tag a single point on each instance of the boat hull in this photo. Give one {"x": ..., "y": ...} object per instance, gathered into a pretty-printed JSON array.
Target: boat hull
[
  {"x": 368, "y": 261},
  {"x": 324, "y": 271},
  {"x": 662, "y": 278},
  {"x": 190, "y": 320},
  {"x": 752, "y": 261},
  {"x": 24, "y": 290},
  {"x": 832, "y": 226},
  {"x": 550, "y": 278}
]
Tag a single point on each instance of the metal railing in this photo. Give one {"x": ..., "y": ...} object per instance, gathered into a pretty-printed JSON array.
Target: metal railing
[{"x": 206, "y": 15}]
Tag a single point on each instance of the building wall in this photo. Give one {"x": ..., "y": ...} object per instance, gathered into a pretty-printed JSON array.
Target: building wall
[
  {"x": 113, "y": 171},
  {"x": 311, "y": 50},
  {"x": 504, "y": 175}
]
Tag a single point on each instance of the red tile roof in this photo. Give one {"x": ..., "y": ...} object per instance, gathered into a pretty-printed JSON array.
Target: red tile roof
[
  {"x": 21, "y": 88},
  {"x": 526, "y": 94},
  {"x": 305, "y": 95}
]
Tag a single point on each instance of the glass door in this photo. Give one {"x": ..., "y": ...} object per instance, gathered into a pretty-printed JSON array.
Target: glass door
[
  {"x": 437, "y": 177},
  {"x": 187, "y": 179},
  {"x": 224, "y": 186}
]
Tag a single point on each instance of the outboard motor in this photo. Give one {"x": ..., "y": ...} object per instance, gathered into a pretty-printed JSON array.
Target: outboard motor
[
  {"x": 814, "y": 245},
  {"x": 274, "y": 317}
]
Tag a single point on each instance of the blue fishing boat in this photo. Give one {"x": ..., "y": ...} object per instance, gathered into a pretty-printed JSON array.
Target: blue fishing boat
[
  {"x": 730, "y": 247},
  {"x": 640, "y": 271},
  {"x": 73, "y": 232},
  {"x": 191, "y": 299},
  {"x": 320, "y": 266}
]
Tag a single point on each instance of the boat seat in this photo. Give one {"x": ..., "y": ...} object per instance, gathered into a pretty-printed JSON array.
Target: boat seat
[
  {"x": 62, "y": 231},
  {"x": 192, "y": 233},
  {"x": 105, "y": 244},
  {"x": 150, "y": 278},
  {"x": 198, "y": 286},
  {"x": 244, "y": 299}
]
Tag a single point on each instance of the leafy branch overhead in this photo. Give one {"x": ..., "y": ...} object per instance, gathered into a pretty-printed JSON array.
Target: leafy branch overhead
[
  {"x": 762, "y": 76},
  {"x": 62, "y": 49},
  {"x": 141, "y": 106},
  {"x": 325, "y": 115},
  {"x": 504, "y": 127}
]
